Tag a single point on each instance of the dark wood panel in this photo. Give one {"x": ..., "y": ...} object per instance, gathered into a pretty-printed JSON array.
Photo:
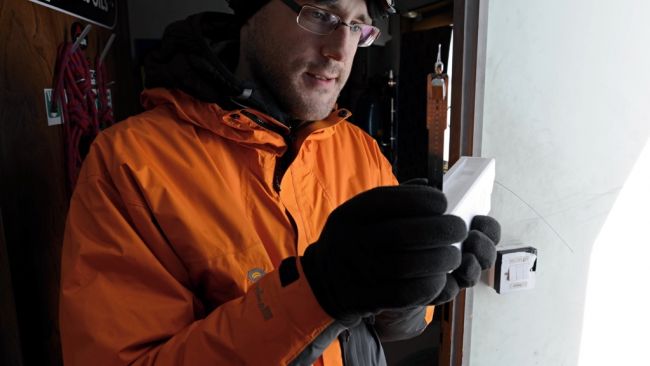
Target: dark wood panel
[
  {"x": 463, "y": 98},
  {"x": 9, "y": 337},
  {"x": 33, "y": 196}
]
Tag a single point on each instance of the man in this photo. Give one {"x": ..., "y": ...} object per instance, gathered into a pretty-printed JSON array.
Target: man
[{"x": 241, "y": 220}]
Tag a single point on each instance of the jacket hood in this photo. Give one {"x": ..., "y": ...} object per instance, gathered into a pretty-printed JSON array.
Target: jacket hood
[
  {"x": 198, "y": 55},
  {"x": 244, "y": 125}
]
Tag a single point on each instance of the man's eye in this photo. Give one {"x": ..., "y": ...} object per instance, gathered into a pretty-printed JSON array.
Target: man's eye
[
  {"x": 321, "y": 16},
  {"x": 356, "y": 28}
]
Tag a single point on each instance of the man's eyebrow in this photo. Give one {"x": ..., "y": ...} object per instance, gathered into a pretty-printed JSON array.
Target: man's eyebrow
[{"x": 333, "y": 5}]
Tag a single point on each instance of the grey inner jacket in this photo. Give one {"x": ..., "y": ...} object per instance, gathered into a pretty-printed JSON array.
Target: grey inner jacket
[{"x": 198, "y": 55}]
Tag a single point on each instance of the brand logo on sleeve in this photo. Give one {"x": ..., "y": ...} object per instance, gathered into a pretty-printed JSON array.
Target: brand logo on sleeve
[
  {"x": 264, "y": 309},
  {"x": 255, "y": 274}
]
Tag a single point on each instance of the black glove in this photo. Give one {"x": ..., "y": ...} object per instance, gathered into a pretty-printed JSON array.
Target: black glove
[
  {"x": 386, "y": 248},
  {"x": 479, "y": 253}
]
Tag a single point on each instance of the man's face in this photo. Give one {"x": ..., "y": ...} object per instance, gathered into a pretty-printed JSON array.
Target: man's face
[{"x": 305, "y": 72}]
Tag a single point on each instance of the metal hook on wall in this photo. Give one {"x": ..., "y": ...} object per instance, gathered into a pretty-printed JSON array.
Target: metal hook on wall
[
  {"x": 438, "y": 79},
  {"x": 81, "y": 37},
  {"x": 109, "y": 43}
]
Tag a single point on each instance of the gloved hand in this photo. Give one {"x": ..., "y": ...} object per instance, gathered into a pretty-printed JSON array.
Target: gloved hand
[
  {"x": 479, "y": 253},
  {"x": 386, "y": 248}
]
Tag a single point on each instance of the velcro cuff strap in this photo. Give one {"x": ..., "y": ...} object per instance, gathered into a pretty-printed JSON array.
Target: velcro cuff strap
[{"x": 288, "y": 271}]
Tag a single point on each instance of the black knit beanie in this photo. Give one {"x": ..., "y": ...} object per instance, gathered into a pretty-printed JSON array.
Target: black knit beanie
[{"x": 244, "y": 9}]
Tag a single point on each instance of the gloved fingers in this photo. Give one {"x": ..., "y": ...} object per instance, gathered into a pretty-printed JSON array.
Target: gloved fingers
[
  {"x": 391, "y": 201},
  {"x": 482, "y": 247},
  {"x": 415, "y": 263},
  {"x": 410, "y": 233},
  {"x": 488, "y": 226},
  {"x": 448, "y": 293},
  {"x": 469, "y": 271}
]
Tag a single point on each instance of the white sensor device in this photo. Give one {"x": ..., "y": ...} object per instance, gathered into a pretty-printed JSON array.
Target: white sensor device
[{"x": 468, "y": 188}]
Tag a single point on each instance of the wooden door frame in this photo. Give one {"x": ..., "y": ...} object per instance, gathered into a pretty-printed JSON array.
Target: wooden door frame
[{"x": 468, "y": 84}]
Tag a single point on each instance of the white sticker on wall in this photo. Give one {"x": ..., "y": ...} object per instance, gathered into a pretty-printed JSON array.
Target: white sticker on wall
[{"x": 54, "y": 115}]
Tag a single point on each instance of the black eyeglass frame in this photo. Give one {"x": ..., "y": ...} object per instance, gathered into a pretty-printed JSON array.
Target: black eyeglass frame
[{"x": 297, "y": 8}]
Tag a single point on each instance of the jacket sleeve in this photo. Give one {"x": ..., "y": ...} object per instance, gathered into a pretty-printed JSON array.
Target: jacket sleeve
[
  {"x": 124, "y": 301},
  {"x": 397, "y": 325}
]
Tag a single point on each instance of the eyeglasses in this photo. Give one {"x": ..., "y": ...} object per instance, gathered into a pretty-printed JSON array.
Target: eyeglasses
[{"x": 320, "y": 21}]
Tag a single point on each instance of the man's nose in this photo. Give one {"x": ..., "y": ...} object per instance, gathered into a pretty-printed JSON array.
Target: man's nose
[{"x": 341, "y": 44}]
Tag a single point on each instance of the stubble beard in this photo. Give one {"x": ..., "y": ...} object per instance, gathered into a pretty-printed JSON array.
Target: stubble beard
[{"x": 284, "y": 82}]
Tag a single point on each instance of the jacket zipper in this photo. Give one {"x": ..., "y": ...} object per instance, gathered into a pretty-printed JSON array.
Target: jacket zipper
[
  {"x": 282, "y": 163},
  {"x": 294, "y": 226},
  {"x": 281, "y": 167}
]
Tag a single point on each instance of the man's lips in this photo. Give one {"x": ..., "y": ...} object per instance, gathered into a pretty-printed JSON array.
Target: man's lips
[{"x": 321, "y": 77}]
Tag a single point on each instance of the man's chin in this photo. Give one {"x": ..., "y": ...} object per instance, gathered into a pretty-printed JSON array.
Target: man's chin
[{"x": 312, "y": 110}]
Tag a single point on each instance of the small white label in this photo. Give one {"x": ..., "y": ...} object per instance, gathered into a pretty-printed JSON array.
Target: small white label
[
  {"x": 109, "y": 99},
  {"x": 54, "y": 115}
]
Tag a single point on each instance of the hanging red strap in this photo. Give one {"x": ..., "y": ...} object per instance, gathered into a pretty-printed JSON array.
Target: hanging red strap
[
  {"x": 73, "y": 89},
  {"x": 105, "y": 108}
]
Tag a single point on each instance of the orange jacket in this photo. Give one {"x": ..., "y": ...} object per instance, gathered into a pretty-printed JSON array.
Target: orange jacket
[{"x": 175, "y": 229}]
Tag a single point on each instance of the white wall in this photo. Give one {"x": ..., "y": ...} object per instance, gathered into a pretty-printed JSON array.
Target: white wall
[
  {"x": 566, "y": 115},
  {"x": 148, "y": 18}
]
